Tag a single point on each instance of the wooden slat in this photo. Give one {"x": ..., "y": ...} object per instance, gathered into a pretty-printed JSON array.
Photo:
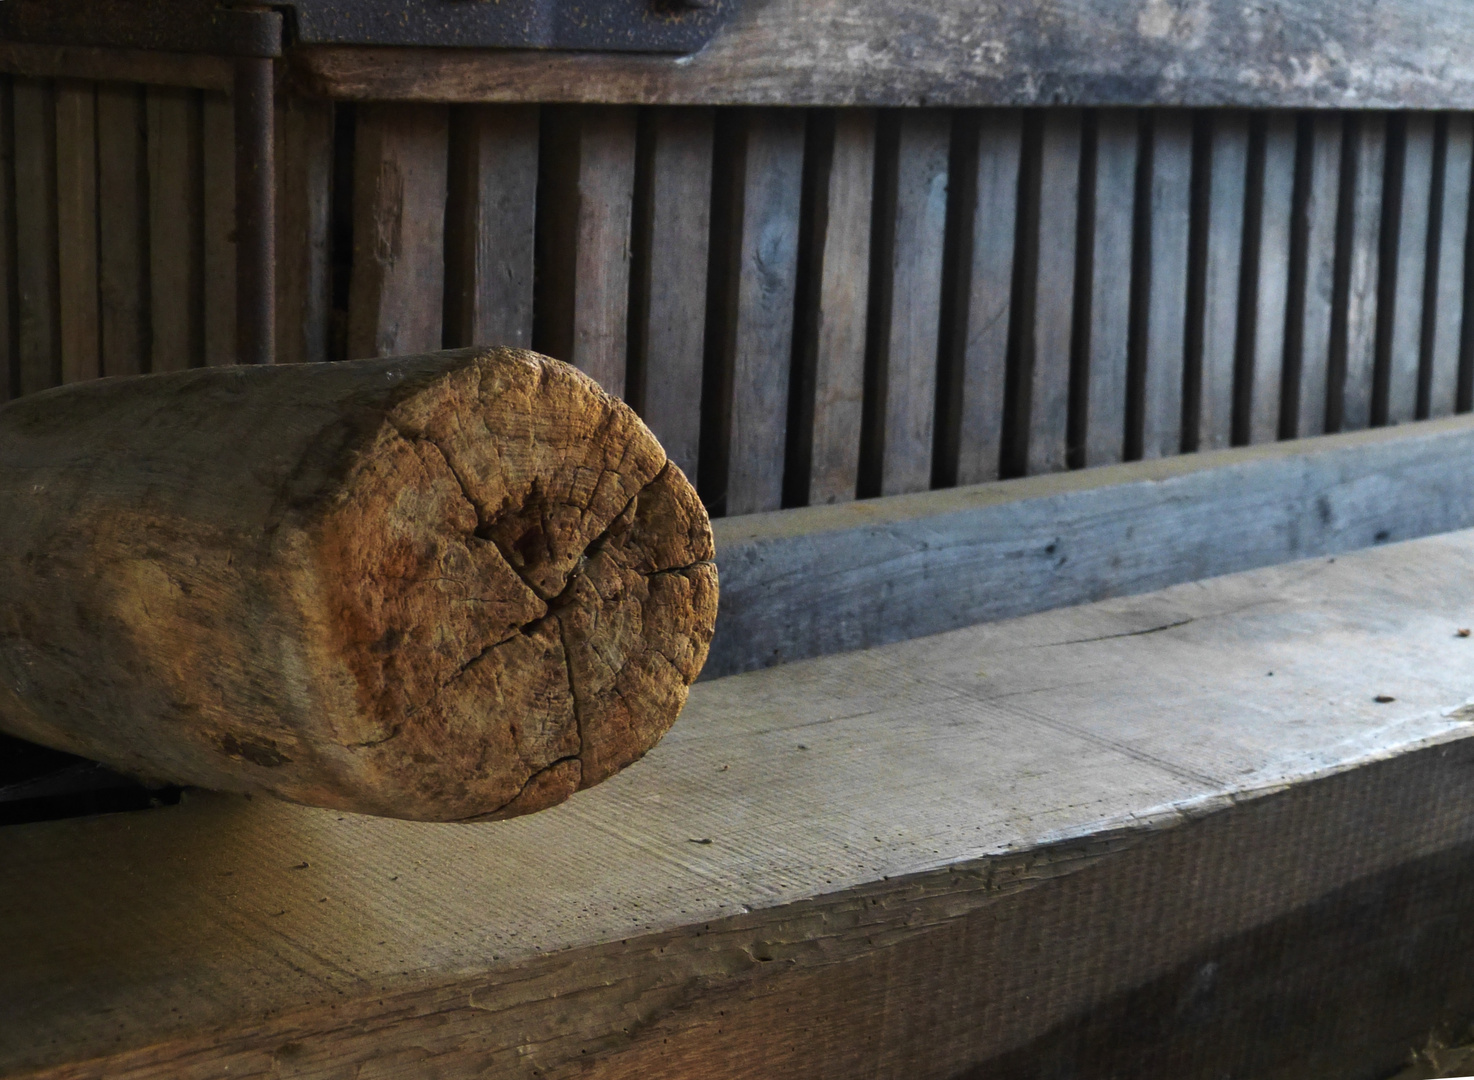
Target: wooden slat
[
  {"x": 9, "y": 315},
  {"x": 218, "y": 134},
  {"x": 396, "y": 297},
  {"x": 752, "y": 311},
  {"x": 1276, "y": 215},
  {"x": 123, "y": 221},
  {"x": 77, "y": 227},
  {"x": 304, "y": 203},
  {"x": 39, "y": 316},
  {"x": 1313, "y": 345},
  {"x": 1356, "y": 393},
  {"x": 116, "y": 65},
  {"x": 584, "y": 211},
  {"x": 493, "y": 211},
  {"x": 1117, "y": 135},
  {"x": 1448, "y": 300},
  {"x": 1404, "y": 360},
  {"x": 989, "y": 297},
  {"x": 905, "y": 309},
  {"x": 1222, "y": 273},
  {"x": 671, "y": 315},
  {"x": 176, "y": 229},
  {"x": 1166, "y": 325}
]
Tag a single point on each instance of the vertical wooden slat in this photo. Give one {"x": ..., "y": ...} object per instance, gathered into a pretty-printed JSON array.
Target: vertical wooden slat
[
  {"x": 176, "y": 228},
  {"x": 1117, "y": 137},
  {"x": 1322, "y": 193},
  {"x": 585, "y": 203},
  {"x": 906, "y": 295},
  {"x": 1171, "y": 185},
  {"x": 668, "y": 321},
  {"x": 36, "y": 235},
  {"x": 1411, "y": 266},
  {"x": 1368, "y": 154},
  {"x": 989, "y": 296},
  {"x": 396, "y": 296},
  {"x": 218, "y": 118},
  {"x": 1222, "y": 273},
  {"x": 492, "y": 213},
  {"x": 123, "y": 217},
  {"x": 1276, "y": 218},
  {"x": 8, "y": 306},
  {"x": 1448, "y": 307},
  {"x": 304, "y": 282},
  {"x": 76, "y": 219}
]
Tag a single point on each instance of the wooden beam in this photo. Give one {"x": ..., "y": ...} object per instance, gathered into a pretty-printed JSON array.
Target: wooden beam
[{"x": 116, "y": 65}]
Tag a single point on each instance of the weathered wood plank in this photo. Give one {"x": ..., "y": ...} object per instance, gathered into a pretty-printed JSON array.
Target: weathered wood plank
[
  {"x": 989, "y": 298},
  {"x": 37, "y": 287},
  {"x": 397, "y": 293},
  {"x": 218, "y": 134},
  {"x": 668, "y": 316},
  {"x": 1364, "y": 54},
  {"x": 1352, "y": 389},
  {"x": 1223, "y": 271},
  {"x": 953, "y": 557},
  {"x": 1448, "y": 299},
  {"x": 1117, "y": 137},
  {"x": 76, "y": 229},
  {"x": 9, "y": 313},
  {"x": 304, "y": 205},
  {"x": 176, "y": 229},
  {"x": 1404, "y": 359},
  {"x": 1276, "y": 215},
  {"x": 1166, "y": 320},
  {"x": 1310, "y": 317},
  {"x": 116, "y": 65},
  {"x": 906, "y": 298},
  {"x": 123, "y": 220},
  {"x": 490, "y": 244}
]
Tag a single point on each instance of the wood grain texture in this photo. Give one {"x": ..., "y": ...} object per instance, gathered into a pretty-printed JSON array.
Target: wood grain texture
[
  {"x": 397, "y": 294},
  {"x": 1362, "y": 54},
  {"x": 1350, "y": 405},
  {"x": 1405, "y": 351},
  {"x": 304, "y": 205},
  {"x": 956, "y": 557},
  {"x": 37, "y": 286},
  {"x": 1117, "y": 134},
  {"x": 1166, "y": 320},
  {"x": 123, "y": 227},
  {"x": 1222, "y": 273},
  {"x": 1305, "y": 413},
  {"x": 584, "y": 205},
  {"x": 77, "y": 230},
  {"x": 9, "y": 305},
  {"x": 176, "y": 239},
  {"x": 1448, "y": 297},
  {"x": 217, "y": 117},
  {"x": 1271, "y": 298},
  {"x": 116, "y": 65},
  {"x": 489, "y": 243},
  {"x": 388, "y": 587},
  {"x": 989, "y": 300},
  {"x": 671, "y": 311},
  {"x": 906, "y": 297},
  {"x": 859, "y": 866}
]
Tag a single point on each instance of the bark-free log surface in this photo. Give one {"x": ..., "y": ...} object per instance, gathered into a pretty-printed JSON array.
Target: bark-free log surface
[{"x": 437, "y": 587}]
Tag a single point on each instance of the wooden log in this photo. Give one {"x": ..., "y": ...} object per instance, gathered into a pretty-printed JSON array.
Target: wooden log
[{"x": 441, "y": 587}]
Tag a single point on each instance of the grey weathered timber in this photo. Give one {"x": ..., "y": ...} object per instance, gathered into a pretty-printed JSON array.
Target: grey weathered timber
[
  {"x": 1350, "y": 405},
  {"x": 304, "y": 206},
  {"x": 396, "y": 296},
  {"x": 819, "y": 580},
  {"x": 1117, "y": 134},
  {"x": 38, "y": 333},
  {"x": 76, "y": 228},
  {"x": 122, "y": 223},
  {"x": 907, "y": 296},
  {"x": 1305, "y": 413},
  {"x": 989, "y": 297},
  {"x": 218, "y": 164},
  {"x": 176, "y": 224},
  {"x": 1222, "y": 272},
  {"x": 1318, "y": 53},
  {"x": 489, "y": 248},
  {"x": 1166, "y": 325},
  {"x": 671, "y": 315},
  {"x": 1406, "y": 336},
  {"x": 1276, "y": 208},
  {"x": 1448, "y": 299},
  {"x": 1042, "y": 824}
]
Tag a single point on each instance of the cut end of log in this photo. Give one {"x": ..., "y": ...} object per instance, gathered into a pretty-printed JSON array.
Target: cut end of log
[{"x": 470, "y": 585}]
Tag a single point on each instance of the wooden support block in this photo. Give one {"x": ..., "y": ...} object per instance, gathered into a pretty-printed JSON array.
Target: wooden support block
[
  {"x": 1353, "y": 379},
  {"x": 584, "y": 205},
  {"x": 1223, "y": 272},
  {"x": 217, "y": 115},
  {"x": 1117, "y": 134},
  {"x": 492, "y": 214},
  {"x": 397, "y": 294},
  {"x": 123, "y": 229},
  {"x": 37, "y": 287},
  {"x": 1274, "y": 247},
  {"x": 76, "y": 228},
  {"x": 1165, "y": 331},
  {"x": 304, "y": 207},
  {"x": 176, "y": 244},
  {"x": 668, "y": 316},
  {"x": 1403, "y": 363},
  {"x": 1447, "y": 298},
  {"x": 1309, "y": 321}
]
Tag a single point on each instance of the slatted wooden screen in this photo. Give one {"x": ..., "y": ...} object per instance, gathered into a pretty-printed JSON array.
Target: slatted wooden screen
[{"x": 807, "y": 305}]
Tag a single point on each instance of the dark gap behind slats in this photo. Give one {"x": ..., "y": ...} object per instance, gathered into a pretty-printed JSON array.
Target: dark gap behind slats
[
  {"x": 1018, "y": 379},
  {"x": 458, "y": 235},
  {"x": 1341, "y": 275},
  {"x": 1246, "y": 330},
  {"x": 1199, "y": 197},
  {"x": 340, "y": 254},
  {"x": 878, "y": 323},
  {"x": 1430, "y": 274},
  {"x": 1295, "y": 289},
  {"x": 1079, "y": 396},
  {"x": 11, "y": 375},
  {"x": 641, "y": 218},
  {"x": 1388, "y": 243},
  {"x": 957, "y": 256},
  {"x": 556, "y": 239},
  {"x": 1141, "y": 284}
]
